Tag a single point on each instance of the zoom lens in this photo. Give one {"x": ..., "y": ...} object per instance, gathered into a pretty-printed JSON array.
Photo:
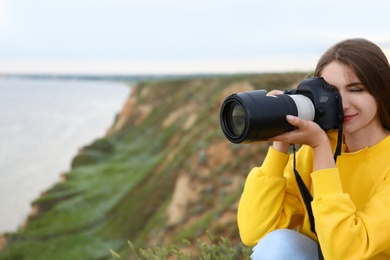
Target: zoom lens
[{"x": 252, "y": 116}]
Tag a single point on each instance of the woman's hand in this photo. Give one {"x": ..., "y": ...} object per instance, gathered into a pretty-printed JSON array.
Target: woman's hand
[
  {"x": 311, "y": 134},
  {"x": 306, "y": 132}
]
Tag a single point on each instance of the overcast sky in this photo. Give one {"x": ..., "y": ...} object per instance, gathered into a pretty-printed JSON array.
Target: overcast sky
[{"x": 181, "y": 36}]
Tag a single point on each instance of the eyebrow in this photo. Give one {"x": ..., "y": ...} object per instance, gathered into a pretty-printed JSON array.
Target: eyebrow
[{"x": 352, "y": 84}]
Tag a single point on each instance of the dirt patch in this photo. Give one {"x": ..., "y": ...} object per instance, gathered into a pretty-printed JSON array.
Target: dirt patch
[
  {"x": 123, "y": 116},
  {"x": 175, "y": 116},
  {"x": 181, "y": 195},
  {"x": 3, "y": 242},
  {"x": 235, "y": 88},
  {"x": 144, "y": 111},
  {"x": 189, "y": 190},
  {"x": 219, "y": 153},
  {"x": 190, "y": 121}
]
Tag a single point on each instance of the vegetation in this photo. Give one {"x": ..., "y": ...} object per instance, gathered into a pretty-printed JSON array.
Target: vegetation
[
  {"x": 164, "y": 174},
  {"x": 221, "y": 249}
]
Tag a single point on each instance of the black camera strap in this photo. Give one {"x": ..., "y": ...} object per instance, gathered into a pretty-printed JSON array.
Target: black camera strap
[{"x": 307, "y": 197}]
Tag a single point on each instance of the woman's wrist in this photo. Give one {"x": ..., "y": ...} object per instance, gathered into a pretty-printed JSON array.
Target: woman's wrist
[{"x": 323, "y": 157}]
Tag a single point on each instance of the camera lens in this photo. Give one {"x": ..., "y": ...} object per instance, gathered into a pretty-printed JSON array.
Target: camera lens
[
  {"x": 236, "y": 118},
  {"x": 252, "y": 116}
]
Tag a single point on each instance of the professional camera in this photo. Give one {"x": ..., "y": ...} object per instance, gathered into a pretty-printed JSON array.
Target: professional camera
[{"x": 252, "y": 116}]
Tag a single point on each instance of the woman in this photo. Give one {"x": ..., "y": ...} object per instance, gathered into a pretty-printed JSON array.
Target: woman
[{"x": 351, "y": 198}]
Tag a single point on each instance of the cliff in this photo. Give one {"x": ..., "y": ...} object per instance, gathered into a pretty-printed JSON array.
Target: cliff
[{"x": 163, "y": 172}]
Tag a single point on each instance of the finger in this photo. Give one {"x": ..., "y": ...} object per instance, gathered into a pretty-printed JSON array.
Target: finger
[
  {"x": 275, "y": 92},
  {"x": 293, "y": 120},
  {"x": 296, "y": 121},
  {"x": 299, "y": 123},
  {"x": 286, "y": 137}
]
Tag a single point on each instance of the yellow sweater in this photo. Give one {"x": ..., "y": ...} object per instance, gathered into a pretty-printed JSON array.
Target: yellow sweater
[{"x": 351, "y": 203}]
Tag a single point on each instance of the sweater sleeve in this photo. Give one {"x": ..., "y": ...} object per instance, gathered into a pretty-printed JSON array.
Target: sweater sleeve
[
  {"x": 344, "y": 232},
  {"x": 268, "y": 201}
]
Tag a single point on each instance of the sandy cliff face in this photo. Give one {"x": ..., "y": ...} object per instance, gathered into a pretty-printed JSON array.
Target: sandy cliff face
[
  {"x": 209, "y": 177},
  {"x": 189, "y": 190},
  {"x": 212, "y": 173},
  {"x": 164, "y": 172}
]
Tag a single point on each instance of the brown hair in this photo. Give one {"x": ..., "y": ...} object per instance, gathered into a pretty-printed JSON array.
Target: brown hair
[{"x": 371, "y": 66}]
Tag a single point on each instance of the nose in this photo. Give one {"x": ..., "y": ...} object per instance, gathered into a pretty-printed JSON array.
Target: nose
[{"x": 345, "y": 102}]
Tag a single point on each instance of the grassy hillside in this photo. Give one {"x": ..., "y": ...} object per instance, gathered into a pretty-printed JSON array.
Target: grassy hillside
[{"x": 164, "y": 173}]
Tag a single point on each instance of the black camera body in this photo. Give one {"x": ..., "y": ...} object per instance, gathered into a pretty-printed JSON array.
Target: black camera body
[{"x": 252, "y": 116}]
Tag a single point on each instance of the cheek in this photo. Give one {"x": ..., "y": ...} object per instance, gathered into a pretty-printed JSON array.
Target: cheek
[{"x": 368, "y": 105}]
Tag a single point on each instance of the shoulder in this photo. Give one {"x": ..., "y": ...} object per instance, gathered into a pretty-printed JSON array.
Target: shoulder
[{"x": 380, "y": 151}]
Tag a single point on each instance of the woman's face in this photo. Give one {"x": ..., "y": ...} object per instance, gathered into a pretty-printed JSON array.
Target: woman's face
[{"x": 360, "y": 108}]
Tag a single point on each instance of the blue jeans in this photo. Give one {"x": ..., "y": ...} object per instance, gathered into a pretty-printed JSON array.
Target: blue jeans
[{"x": 285, "y": 244}]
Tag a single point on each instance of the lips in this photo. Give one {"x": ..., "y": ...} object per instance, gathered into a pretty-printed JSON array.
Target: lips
[{"x": 348, "y": 118}]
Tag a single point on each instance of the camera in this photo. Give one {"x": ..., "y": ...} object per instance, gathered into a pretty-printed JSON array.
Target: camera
[{"x": 252, "y": 116}]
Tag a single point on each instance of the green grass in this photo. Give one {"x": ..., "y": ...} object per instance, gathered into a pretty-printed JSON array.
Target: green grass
[{"x": 212, "y": 249}]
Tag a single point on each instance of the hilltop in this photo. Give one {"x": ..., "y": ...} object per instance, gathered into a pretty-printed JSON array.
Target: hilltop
[{"x": 164, "y": 172}]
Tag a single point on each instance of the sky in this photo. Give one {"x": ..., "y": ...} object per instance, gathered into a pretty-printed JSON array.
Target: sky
[{"x": 181, "y": 36}]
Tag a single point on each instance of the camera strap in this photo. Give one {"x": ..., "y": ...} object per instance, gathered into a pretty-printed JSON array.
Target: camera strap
[{"x": 307, "y": 197}]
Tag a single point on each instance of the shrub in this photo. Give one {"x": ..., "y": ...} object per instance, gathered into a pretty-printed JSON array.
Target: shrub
[{"x": 221, "y": 249}]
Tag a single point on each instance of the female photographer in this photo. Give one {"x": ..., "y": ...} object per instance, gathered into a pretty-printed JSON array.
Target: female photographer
[{"x": 351, "y": 197}]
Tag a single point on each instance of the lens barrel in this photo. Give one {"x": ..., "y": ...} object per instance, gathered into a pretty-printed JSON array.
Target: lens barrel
[{"x": 253, "y": 116}]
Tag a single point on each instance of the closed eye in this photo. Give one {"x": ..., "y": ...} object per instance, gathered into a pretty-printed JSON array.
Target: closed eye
[{"x": 356, "y": 89}]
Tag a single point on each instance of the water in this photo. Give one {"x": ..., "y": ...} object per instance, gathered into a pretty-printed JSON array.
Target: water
[{"x": 42, "y": 126}]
